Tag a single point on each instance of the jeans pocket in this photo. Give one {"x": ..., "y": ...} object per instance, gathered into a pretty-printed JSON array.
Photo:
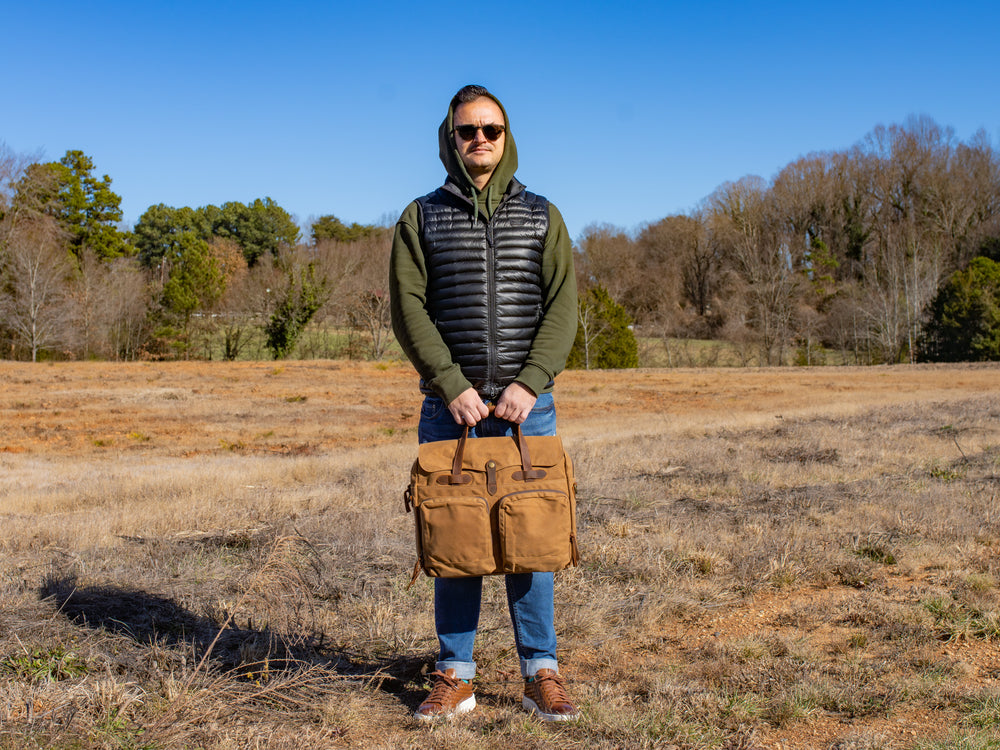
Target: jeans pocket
[
  {"x": 436, "y": 422},
  {"x": 542, "y": 417},
  {"x": 431, "y": 408}
]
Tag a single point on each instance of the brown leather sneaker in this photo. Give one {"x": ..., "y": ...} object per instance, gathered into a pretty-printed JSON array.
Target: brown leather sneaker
[
  {"x": 449, "y": 697},
  {"x": 546, "y": 696}
]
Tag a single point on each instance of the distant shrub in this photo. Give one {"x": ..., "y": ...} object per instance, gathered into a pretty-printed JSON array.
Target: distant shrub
[
  {"x": 964, "y": 325},
  {"x": 604, "y": 336}
]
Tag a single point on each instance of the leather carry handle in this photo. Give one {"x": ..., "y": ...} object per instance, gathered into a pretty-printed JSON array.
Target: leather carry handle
[
  {"x": 456, "y": 476},
  {"x": 527, "y": 473}
]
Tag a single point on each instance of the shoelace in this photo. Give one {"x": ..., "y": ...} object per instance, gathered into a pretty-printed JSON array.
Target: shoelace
[
  {"x": 551, "y": 689},
  {"x": 443, "y": 685}
]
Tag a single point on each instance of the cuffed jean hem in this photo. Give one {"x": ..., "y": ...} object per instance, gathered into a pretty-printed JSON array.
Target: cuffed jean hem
[
  {"x": 464, "y": 670},
  {"x": 530, "y": 667}
]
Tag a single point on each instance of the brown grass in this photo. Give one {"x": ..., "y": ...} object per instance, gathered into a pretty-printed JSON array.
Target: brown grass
[{"x": 216, "y": 555}]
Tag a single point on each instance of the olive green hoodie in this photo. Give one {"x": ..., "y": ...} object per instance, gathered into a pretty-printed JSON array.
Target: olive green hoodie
[{"x": 415, "y": 330}]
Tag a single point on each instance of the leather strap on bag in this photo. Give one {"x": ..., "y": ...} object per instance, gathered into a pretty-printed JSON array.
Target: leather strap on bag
[
  {"x": 456, "y": 476},
  {"x": 526, "y": 474}
]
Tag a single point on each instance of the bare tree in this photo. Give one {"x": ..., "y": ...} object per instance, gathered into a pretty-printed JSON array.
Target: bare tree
[
  {"x": 126, "y": 309},
  {"x": 110, "y": 310},
  {"x": 371, "y": 313},
  {"x": 368, "y": 293},
  {"x": 13, "y": 168},
  {"x": 236, "y": 310},
  {"x": 359, "y": 300},
  {"x": 609, "y": 258},
  {"x": 765, "y": 258},
  {"x": 660, "y": 250},
  {"x": 591, "y": 326},
  {"x": 914, "y": 228},
  {"x": 34, "y": 297}
]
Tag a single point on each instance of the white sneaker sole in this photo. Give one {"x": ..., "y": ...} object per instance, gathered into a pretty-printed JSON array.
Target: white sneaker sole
[
  {"x": 462, "y": 708},
  {"x": 530, "y": 705}
]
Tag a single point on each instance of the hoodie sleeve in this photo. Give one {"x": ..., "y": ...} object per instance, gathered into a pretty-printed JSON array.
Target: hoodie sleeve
[
  {"x": 413, "y": 327},
  {"x": 557, "y": 331}
]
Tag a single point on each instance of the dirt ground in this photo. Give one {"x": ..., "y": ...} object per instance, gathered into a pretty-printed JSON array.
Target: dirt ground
[{"x": 180, "y": 408}]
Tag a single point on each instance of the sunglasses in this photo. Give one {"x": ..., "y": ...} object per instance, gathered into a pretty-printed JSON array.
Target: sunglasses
[{"x": 468, "y": 132}]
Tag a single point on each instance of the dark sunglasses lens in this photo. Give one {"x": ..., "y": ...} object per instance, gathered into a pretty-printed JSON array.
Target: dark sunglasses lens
[
  {"x": 466, "y": 132},
  {"x": 492, "y": 132}
]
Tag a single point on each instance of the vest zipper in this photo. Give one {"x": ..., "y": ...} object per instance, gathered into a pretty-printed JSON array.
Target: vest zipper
[{"x": 491, "y": 310}]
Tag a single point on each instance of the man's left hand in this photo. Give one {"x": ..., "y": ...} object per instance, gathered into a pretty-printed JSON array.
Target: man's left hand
[{"x": 515, "y": 403}]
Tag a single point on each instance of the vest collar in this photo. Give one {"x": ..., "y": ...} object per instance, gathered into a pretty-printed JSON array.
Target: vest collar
[{"x": 452, "y": 187}]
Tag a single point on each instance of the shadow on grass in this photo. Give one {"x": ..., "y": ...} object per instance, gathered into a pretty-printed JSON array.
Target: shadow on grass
[{"x": 148, "y": 619}]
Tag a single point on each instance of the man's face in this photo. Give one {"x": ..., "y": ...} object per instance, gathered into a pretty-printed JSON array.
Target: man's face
[{"x": 480, "y": 155}]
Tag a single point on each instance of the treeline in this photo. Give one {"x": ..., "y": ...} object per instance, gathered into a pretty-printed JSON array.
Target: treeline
[
  {"x": 868, "y": 252},
  {"x": 229, "y": 281},
  {"x": 886, "y": 252}
]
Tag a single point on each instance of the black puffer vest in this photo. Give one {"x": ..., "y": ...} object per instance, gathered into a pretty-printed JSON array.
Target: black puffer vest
[{"x": 484, "y": 281}]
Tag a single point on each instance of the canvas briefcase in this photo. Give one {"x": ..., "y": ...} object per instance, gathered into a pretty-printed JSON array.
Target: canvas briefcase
[{"x": 492, "y": 505}]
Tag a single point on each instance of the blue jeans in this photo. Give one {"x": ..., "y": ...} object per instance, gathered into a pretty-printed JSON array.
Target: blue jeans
[{"x": 530, "y": 596}]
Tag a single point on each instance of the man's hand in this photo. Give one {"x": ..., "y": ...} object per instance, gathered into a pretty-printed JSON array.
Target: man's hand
[
  {"x": 516, "y": 403},
  {"x": 468, "y": 408}
]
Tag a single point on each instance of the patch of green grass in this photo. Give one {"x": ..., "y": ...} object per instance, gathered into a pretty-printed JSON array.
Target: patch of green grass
[
  {"x": 782, "y": 572},
  {"x": 876, "y": 553},
  {"x": 983, "y": 712},
  {"x": 41, "y": 665},
  {"x": 874, "y": 547},
  {"x": 796, "y": 705},
  {"x": 985, "y": 740},
  {"x": 944, "y": 474},
  {"x": 117, "y": 730},
  {"x": 956, "y": 620},
  {"x": 296, "y": 399},
  {"x": 857, "y": 640},
  {"x": 743, "y": 707}
]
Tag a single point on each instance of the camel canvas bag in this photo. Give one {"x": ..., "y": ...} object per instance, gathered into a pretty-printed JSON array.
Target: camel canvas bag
[{"x": 492, "y": 505}]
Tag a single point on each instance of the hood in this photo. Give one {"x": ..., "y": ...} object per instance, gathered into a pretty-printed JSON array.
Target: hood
[{"x": 489, "y": 197}]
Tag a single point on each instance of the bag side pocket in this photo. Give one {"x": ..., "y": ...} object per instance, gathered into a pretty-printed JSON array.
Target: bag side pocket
[
  {"x": 536, "y": 530},
  {"x": 455, "y": 537}
]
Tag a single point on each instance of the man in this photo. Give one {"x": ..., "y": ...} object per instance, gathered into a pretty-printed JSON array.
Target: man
[{"x": 484, "y": 305}]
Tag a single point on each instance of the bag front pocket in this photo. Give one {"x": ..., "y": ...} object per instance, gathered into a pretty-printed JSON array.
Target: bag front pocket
[
  {"x": 536, "y": 528},
  {"x": 455, "y": 537}
]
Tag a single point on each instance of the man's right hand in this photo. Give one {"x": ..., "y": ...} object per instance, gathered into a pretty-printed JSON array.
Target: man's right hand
[{"x": 468, "y": 408}]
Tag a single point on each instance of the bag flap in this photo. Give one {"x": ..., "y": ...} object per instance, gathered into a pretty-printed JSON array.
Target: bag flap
[{"x": 437, "y": 456}]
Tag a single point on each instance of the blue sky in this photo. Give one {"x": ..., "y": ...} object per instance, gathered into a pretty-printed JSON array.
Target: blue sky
[{"x": 623, "y": 112}]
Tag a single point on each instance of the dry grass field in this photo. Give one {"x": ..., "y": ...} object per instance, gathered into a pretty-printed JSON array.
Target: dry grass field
[{"x": 209, "y": 555}]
